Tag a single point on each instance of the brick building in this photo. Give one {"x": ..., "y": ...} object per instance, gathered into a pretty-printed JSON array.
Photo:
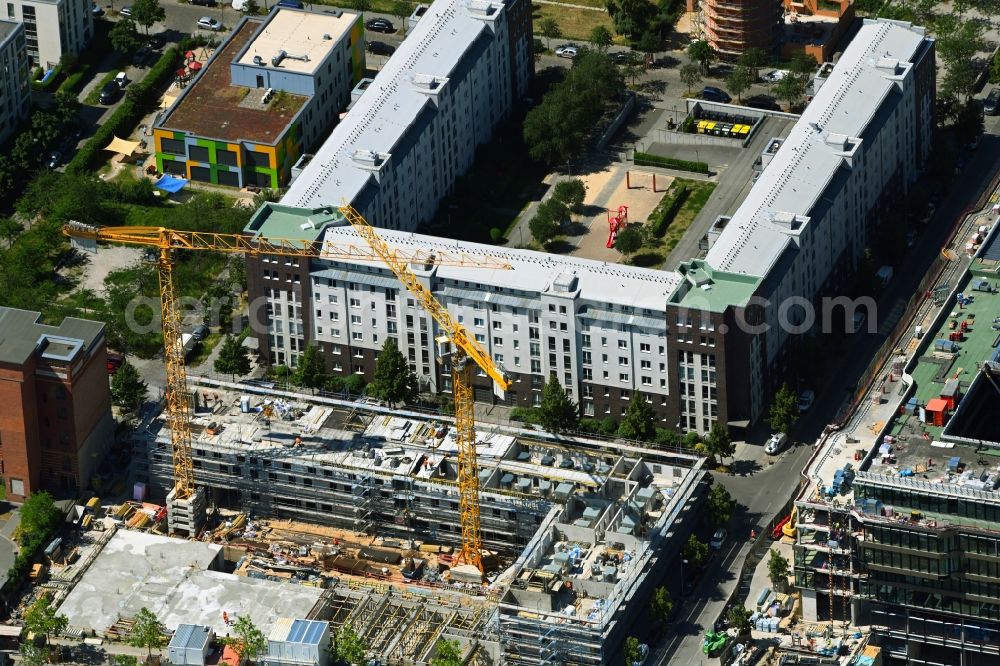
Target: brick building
[{"x": 55, "y": 403}]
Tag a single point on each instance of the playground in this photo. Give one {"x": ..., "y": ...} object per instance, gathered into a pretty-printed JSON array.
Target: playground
[{"x": 616, "y": 197}]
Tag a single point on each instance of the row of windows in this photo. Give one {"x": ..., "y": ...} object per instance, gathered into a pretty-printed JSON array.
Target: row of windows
[{"x": 904, "y": 499}]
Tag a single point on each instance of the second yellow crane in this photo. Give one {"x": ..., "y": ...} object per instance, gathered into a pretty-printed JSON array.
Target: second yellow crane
[{"x": 465, "y": 351}]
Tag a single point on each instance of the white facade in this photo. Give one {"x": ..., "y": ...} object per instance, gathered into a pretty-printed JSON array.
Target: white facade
[
  {"x": 416, "y": 127},
  {"x": 53, "y": 28},
  {"x": 15, "y": 93}
]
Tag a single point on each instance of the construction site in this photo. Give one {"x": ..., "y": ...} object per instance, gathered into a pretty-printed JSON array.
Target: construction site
[{"x": 319, "y": 511}]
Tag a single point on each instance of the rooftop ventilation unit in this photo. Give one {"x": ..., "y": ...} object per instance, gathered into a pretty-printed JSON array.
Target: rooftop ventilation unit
[
  {"x": 278, "y": 57},
  {"x": 257, "y": 60}
]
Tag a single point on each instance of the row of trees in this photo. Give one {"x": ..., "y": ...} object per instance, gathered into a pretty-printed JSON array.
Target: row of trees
[{"x": 567, "y": 197}]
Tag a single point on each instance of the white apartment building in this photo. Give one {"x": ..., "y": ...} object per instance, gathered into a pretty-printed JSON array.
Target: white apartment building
[
  {"x": 415, "y": 129},
  {"x": 613, "y": 333},
  {"x": 53, "y": 28},
  {"x": 15, "y": 93}
]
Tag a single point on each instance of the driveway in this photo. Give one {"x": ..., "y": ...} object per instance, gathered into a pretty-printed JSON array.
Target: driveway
[{"x": 9, "y": 520}]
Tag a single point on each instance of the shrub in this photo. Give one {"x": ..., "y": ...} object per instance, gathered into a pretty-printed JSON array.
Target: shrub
[
  {"x": 51, "y": 84},
  {"x": 664, "y": 213},
  {"x": 688, "y": 125},
  {"x": 646, "y": 159}
]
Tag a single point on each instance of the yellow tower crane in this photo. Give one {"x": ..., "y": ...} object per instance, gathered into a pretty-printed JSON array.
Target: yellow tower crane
[{"x": 465, "y": 349}]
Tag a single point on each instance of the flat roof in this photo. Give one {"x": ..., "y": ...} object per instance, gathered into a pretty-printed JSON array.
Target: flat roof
[
  {"x": 21, "y": 334},
  {"x": 214, "y": 108},
  {"x": 807, "y": 163},
  {"x": 7, "y": 28},
  {"x": 394, "y": 101},
  {"x": 171, "y": 577},
  {"x": 712, "y": 290},
  {"x": 306, "y": 37}
]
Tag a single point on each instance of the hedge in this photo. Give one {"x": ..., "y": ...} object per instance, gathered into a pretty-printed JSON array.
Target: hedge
[
  {"x": 646, "y": 159},
  {"x": 51, "y": 84},
  {"x": 663, "y": 214},
  {"x": 138, "y": 99}
]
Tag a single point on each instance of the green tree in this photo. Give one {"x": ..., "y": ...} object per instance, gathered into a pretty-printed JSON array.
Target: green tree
[
  {"x": 790, "y": 89},
  {"x": 448, "y": 653},
  {"x": 249, "y": 641},
  {"x": 739, "y": 81},
  {"x": 10, "y": 229},
  {"x": 669, "y": 438},
  {"x": 601, "y": 38},
  {"x": 650, "y": 43},
  {"x": 718, "y": 441},
  {"x": 311, "y": 369},
  {"x": 694, "y": 552},
  {"x": 124, "y": 36},
  {"x": 543, "y": 228},
  {"x": 803, "y": 64},
  {"x": 31, "y": 654},
  {"x": 348, "y": 648},
  {"x": 147, "y": 12},
  {"x": 631, "y": 17},
  {"x": 720, "y": 505},
  {"x": 690, "y": 76},
  {"x": 557, "y": 412},
  {"x": 639, "y": 421},
  {"x": 146, "y": 632},
  {"x": 630, "y": 651},
  {"x": 550, "y": 30},
  {"x": 661, "y": 606},
  {"x": 354, "y": 384},
  {"x": 232, "y": 358},
  {"x": 41, "y": 618},
  {"x": 571, "y": 193},
  {"x": 401, "y": 8},
  {"x": 702, "y": 53},
  {"x": 361, "y": 5},
  {"x": 777, "y": 569},
  {"x": 739, "y": 619},
  {"x": 393, "y": 381},
  {"x": 128, "y": 390},
  {"x": 784, "y": 410},
  {"x": 251, "y": 8},
  {"x": 753, "y": 59},
  {"x": 629, "y": 240}
]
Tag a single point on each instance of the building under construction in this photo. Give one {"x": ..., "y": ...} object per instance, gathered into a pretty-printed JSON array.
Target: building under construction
[{"x": 579, "y": 532}]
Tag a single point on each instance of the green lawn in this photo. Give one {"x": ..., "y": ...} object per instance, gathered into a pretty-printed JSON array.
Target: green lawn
[
  {"x": 700, "y": 191},
  {"x": 575, "y": 23}
]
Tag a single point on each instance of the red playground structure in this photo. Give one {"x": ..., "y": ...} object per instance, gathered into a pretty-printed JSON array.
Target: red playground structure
[{"x": 616, "y": 223}]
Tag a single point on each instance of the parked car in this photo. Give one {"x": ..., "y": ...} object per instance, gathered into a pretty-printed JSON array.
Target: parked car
[
  {"x": 776, "y": 443},
  {"x": 121, "y": 78},
  {"x": 55, "y": 159},
  {"x": 156, "y": 42},
  {"x": 992, "y": 102},
  {"x": 200, "y": 332},
  {"x": 141, "y": 57},
  {"x": 380, "y": 25},
  {"x": 380, "y": 48},
  {"x": 110, "y": 92},
  {"x": 125, "y": 11},
  {"x": 208, "y": 23},
  {"x": 643, "y": 654},
  {"x": 622, "y": 57},
  {"x": 568, "y": 51},
  {"x": 774, "y": 77},
  {"x": 806, "y": 399},
  {"x": 291, "y": 4},
  {"x": 96, "y": 9},
  {"x": 203, "y": 3},
  {"x": 718, "y": 539},
  {"x": 713, "y": 94},
  {"x": 114, "y": 362}
]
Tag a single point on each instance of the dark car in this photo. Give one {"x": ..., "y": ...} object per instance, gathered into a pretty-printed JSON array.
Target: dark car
[
  {"x": 380, "y": 48},
  {"x": 992, "y": 102},
  {"x": 380, "y": 25},
  {"x": 142, "y": 56},
  {"x": 203, "y": 3},
  {"x": 713, "y": 94},
  {"x": 110, "y": 92},
  {"x": 156, "y": 42},
  {"x": 200, "y": 332}
]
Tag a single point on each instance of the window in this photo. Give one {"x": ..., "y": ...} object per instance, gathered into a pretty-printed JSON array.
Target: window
[
  {"x": 623, "y": 344},
  {"x": 498, "y": 326},
  {"x": 497, "y": 341},
  {"x": 646, "y": 365},
  {"x": 647, "y": 381},
  {"x": 335, "y": 332},
  {"x": 586, "y": 358},
  {"x": 536, "y": 366},
  {"x": 644, "y": 347},
  {"x": 623, "y": 361},
  {"x": 480, "y": 338},
  {"x": 604, "y": 342},
  {"x": 585, "y": 341},
  {"x": 355, "y": 302},
  {"x": 623, "y": 376},
  {"x": 356, "y": 319},
  {"x": 479, "y": 322},
  {"x": 357, "y": 335}
]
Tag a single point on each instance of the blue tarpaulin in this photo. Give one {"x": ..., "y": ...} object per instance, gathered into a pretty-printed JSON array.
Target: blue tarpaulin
[{"x": 171, "y": 184}]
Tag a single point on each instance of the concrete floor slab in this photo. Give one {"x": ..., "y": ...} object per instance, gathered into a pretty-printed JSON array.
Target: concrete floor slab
[{"x": 171, "y": 577}]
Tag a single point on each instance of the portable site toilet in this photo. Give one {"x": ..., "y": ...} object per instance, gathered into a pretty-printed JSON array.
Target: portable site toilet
[
  {"x": 950, "y": 393},
  {"x": 937, "y": 411}
]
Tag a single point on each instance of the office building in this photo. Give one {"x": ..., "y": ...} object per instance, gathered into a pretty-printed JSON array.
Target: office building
[
  {"x": 53, "y": 28},
  {"x": 55, "y": 403},
  {"x": 270, "y": 92},
  {"x": 415, "y": 129},
  {"x": 15, "y": 92}
]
